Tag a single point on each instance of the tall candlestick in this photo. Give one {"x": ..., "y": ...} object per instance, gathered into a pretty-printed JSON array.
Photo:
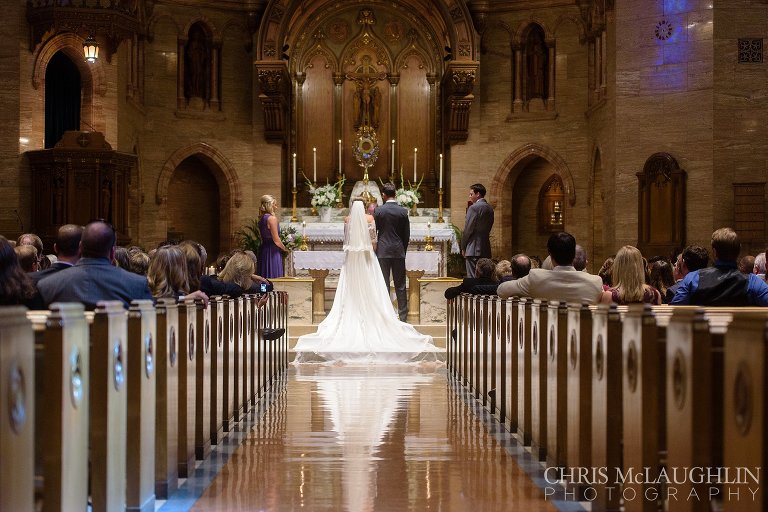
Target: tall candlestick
[
  {"x": 393, "y": 157},
  {"x": 441, "y": 170},
  {"x": 303, "y": 228},
  {"x": 294, "y": 170},
  {"x": 414, "y": 164},
  {"x": 314, "y": 165},
  {"x": 339, "y": 156}
]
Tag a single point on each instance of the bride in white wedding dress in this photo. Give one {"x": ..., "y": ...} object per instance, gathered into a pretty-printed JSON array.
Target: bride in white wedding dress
[{"x": 362, "y": 326}]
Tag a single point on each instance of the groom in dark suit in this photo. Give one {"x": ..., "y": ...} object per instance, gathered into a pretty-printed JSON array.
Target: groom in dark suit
[{"x": 394, "y": 232}]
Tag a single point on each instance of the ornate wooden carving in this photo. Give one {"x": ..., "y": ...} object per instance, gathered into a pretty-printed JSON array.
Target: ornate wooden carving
[
  {"x": 79, "y": 180},
  {"x": 458, "y": 83},
  {"x": 275, "y": 97},
  {"x": 116, "y": 22},
  {"x": 661, "y": 206}
]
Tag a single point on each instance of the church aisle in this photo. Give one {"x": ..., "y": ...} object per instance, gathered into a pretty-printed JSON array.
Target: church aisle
[{"x": 368, "y": 438}]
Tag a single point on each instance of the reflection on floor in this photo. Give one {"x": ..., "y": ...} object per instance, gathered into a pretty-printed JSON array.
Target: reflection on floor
[{"x": 363, "y": 439}]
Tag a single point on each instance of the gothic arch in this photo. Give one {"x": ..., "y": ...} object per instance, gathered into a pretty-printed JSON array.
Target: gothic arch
[
  {"x": 528, "y": 152},
  {"x": 320, "y": 50},
  {"x": 409, "y": 52},
  {"x": 496, "y": 26},
  {"x": 155, "y": 20},
  {"x": 207, "y": 25},
  {"x": 205, "y": 150},
  {"x": 575, "y": 20},
  {"x": 521, "y": 33},
  {"x": 92, "y": 75}
]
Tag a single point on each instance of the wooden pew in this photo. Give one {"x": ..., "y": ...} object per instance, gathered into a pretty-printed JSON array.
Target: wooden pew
[
  {"x": 261, "y": 347},
  {"x": 108, "y": 406},
  {"x": 167, "y": 398},
  {"x": 246, "y": 381},
  {"x": 218, "y": 361},
  {"x": 239, "y": 374},
  {"x": 283, "y": 323},
  {"x": 142, "y": 392},
  {"x": 746, "y": 425},
  {"x": 539, "y": 321},
  {"x": 510, "y": 390},
  {"x": 579, "y": 385},
  {"x": 466, "y": 341},
  {"x": 524, "y": 360},
  {"x": 204, "y": 357},
  {"x": 229, "y": 374},
  {"x": 61, "y": 420},
  {"x": 450, "y": 341},
  {"x": 187, "y": 373},
  {"x": 644, "y": 402},
  {"x": 496, "y": 384},
  {"x": 556, "y": 352},
  {"x": 17, "y": 409},
  {"x": 606, "y": 375}
]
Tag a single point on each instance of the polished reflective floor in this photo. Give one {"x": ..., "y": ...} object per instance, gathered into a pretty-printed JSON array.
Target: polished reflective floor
[{"x": 364, "y": 439}]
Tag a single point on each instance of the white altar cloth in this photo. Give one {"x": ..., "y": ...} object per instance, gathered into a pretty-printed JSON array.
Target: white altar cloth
[
  {"x": 334, "y": 232},
  {"x": 428, "y": 261}
]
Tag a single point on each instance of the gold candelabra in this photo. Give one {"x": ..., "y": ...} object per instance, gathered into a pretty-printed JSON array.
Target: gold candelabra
[
  {"x": 293, "y": 211},
  {"x": 440, "y": 206}
]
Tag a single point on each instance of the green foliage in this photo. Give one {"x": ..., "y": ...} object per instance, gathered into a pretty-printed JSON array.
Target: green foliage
[
  {"x": 456, "y": 266},
  {"x": 249, "y": 237}
]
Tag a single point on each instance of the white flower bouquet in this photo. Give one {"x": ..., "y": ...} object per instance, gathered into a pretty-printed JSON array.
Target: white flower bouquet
[
  {"x": 326, "y": 195},
  {"x": 407, "y": 197}
]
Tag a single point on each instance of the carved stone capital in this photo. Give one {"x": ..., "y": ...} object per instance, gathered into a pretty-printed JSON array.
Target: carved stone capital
[
  {"x": 458, "y": 84},
  {"x": 275, "y": 96}
]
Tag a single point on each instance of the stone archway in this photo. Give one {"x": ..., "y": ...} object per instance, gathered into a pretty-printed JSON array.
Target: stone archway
[
  {"x": 226, "y": 177},
  {"x": 502, "y": 190}
]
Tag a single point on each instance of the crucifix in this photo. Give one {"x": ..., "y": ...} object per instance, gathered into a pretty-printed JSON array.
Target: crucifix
[{"x": 366, "y": 100}]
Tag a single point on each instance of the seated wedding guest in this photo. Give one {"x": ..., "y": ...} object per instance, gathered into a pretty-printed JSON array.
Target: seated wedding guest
[
  {"x": 138, "y": 262},
  {"x": 67, "y": 249},
  {"x": 521, "y": 265},
  {"x": 484, "y": 275},
  {"x": 759, "y": 267},
  {"x": 580, "y": 260},
  {"x": 503, "y": 271},
  {"x": 661, "y": 277},
  {"x": 122, "y": 259},
  {"x": 45, "y": 263},
  {"x": 167, "y": 276},
  {"x": 221, "y": 262},
  {"x": 747, "y": 264},
  {"x": 692, "y": 258},
  {"x": 563, "y": 282},
  {"x": 605, "y": 272},
  {"x": 16, "y": 287},
  {"x": 27, "y": 255},
  {"x": 33, "y": 240},
  {"x": 271, "y": 249},
  {"x": 723, "y": 284},
  {"x": 94, "y": 278},
  {"x": 628, "y": 276},
  {"x": 535, "y": 262},
  {"x": 241, "y": 272}
]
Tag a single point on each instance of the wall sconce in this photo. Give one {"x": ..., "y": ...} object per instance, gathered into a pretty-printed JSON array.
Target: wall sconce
[{"x": 91, "y": 49}]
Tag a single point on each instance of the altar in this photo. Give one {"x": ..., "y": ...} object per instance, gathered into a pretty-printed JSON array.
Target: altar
[
  {"x": 320, "y": 263},
  {"x": 329, "y": 236}
]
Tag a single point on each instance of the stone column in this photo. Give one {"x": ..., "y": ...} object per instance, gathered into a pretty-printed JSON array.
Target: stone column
[
  {"x": 551, "y": 73},
  {"x": 517, "y": 102}
]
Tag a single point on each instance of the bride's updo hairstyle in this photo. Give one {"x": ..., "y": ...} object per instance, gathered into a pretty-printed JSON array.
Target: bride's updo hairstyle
[{"x": 267, "y": 204}]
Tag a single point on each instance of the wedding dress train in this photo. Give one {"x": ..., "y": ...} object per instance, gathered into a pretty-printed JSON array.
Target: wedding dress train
[{"x": 362, "y": 326}]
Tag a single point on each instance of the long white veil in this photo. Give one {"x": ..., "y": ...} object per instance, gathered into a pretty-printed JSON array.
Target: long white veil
[{"x": 362, "y": 325}]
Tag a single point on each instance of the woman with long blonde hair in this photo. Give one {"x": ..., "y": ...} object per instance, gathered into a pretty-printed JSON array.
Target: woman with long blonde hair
[
  {"x": 239, "y": 270},
  {"x": 167, "y": 275},
  {"x": 628, "y": 278},
  {"x": 271, "y": 249}
]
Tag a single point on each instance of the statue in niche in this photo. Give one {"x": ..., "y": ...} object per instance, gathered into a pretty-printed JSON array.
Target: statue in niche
[
  {"x": 197, "y": 63},
  {"x": 536, "y": 56},
  {"x": 366, "y": 100}
]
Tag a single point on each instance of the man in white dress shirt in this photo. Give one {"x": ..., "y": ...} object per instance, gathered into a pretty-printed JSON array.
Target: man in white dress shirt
[{"x": 562, "y": 283}]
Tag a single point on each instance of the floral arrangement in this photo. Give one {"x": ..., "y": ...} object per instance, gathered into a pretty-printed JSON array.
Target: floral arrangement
[
  {"x": 326, "y": 195},
  {"x": 408, "y": 196},
  {"x": 291, "y": 238}
]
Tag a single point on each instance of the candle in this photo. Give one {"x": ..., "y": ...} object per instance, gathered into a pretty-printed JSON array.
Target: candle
[
  {"x": 441, "y": 170},
  {"x": 393, "y": 157},
  {"x": 314, "y": 165},
  {"x": 339, "y": 156},
  {"x": 294, "y": 170},
  {"x": 304, "y": 229},
  {"x": 414, "y": 164},
  {"x": 429, "y": 229}
]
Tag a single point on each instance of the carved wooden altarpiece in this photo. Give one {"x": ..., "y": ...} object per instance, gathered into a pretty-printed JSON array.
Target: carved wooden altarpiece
[{"x": 661, "y": 206}]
